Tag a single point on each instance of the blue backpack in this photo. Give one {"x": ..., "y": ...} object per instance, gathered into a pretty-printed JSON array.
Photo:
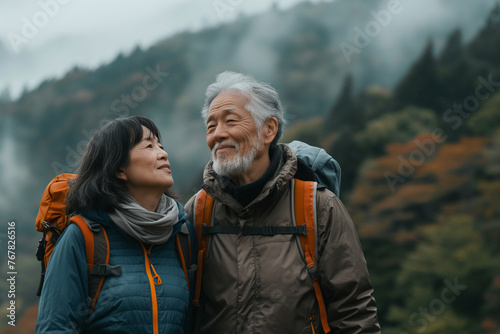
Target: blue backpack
[{"x": 326, "y": 169}]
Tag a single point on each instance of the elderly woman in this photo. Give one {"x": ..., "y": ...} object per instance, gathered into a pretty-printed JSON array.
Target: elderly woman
[{"x": 121, "y": 184}]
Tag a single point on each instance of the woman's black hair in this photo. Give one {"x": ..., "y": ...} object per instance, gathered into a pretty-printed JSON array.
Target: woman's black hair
[{"x": 97, "y": 185}]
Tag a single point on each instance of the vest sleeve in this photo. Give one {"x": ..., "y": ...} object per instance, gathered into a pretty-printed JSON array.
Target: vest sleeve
[{"x": 63, "y": 304}]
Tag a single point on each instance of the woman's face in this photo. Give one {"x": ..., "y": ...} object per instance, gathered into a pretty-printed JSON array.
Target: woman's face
[{"x": 148, "y": 170}]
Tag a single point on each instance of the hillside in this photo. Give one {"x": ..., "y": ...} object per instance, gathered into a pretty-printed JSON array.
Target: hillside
[
  {"x": 298, "y": 51},
  {"x": 418, "y": 140},
  {"x": 425, "y": 192}
]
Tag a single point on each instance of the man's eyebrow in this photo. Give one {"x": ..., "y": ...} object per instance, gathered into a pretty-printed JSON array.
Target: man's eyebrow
[
  {"x": 209, "y": 118},
  {"x": 225, "y": 112}
]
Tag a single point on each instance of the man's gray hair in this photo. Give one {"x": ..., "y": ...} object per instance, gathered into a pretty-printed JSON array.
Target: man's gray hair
[{"x": 263, "y": 100}]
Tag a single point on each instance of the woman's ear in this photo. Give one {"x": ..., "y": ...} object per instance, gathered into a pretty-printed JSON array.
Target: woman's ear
[
  {"x": 270, "y": 129},
  {"x": 121, "y": 174}
]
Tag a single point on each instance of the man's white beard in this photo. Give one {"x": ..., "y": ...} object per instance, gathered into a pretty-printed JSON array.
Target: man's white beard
[{"x": 237, "y": 165}]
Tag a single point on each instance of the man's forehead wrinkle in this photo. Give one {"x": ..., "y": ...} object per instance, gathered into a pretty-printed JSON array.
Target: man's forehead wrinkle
[{"x": 223, "y": 112}]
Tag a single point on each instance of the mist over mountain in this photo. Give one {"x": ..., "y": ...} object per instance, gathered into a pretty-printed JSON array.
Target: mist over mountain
[
  {"x": 404, "y": 96},
  {"x": 42, "y": 60},
  {"x": 298, "y": 51}
]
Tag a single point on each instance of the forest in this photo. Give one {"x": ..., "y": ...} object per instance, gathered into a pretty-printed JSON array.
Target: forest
[{"x": 418, "y": 143}]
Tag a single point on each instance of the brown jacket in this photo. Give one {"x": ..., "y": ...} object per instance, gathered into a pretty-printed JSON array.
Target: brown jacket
[{"x": 259, "y": 284}]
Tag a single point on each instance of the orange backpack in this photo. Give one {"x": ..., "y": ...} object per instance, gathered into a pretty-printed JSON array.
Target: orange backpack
[
  {"x": 304, "y": 204},
  {"x": 52, "y": 220}
]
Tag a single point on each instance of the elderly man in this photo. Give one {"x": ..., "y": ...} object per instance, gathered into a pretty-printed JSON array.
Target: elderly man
[{"x": 259, "y": 283}]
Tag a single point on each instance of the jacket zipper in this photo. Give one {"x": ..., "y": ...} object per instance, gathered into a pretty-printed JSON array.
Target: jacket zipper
[
  {"x": 153, "y": 280},
  {"x": 311, "y": 323}
]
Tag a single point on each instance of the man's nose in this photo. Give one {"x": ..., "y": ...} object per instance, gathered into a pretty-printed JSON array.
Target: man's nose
[{"x": 220, "y": 133}]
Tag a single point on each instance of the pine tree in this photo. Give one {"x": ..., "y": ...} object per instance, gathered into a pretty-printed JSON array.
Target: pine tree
[
  {"x": 453, "y": 48},
  {"x": 5, "y": 95},
  {"x": 420, "y": 87},
  {"x": 486, "y": 45},
  {"x": 345, "y": 113},
  {"x": 457, "y": 78},
  {"x": 350, "y": 156}
]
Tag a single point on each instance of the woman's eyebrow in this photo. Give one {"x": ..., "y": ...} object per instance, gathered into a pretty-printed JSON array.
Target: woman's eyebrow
[{"x": 150, "y": 139}]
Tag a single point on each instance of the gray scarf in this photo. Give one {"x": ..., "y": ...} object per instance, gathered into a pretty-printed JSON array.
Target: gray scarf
[{"x": 144, "y": 225}]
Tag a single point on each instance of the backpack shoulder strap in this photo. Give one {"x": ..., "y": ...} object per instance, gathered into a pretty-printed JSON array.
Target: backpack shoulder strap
[
  {"x": 304, "y": 203},
  {"x": 186, "y": 247},
  {"x": 202, "y": 217},
  {"x": 185, "y": 242},
  {"x": 97, "y": 254}
]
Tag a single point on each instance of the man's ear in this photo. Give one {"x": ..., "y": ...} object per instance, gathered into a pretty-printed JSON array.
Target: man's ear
[
  {"x": 269, "y": 130},
  {"x": 121, "y": 174}
]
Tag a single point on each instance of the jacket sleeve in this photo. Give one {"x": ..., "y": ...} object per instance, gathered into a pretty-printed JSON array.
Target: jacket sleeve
[
  {"x": 63, "y": 304},
  {"x": 345, "y": 281},
  {"x": 189, "y": 207}
]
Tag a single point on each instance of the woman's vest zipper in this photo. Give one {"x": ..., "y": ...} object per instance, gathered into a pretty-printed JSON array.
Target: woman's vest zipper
[{"x": 154, "y": 279}]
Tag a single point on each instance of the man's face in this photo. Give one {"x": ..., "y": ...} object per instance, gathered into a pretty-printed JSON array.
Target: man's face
[{"x": 232, "y": 134}]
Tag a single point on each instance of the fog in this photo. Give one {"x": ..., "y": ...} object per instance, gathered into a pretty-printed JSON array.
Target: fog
[{"x": 60, "y": 33}]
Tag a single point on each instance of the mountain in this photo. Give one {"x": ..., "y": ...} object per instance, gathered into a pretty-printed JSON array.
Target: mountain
[
  {"x": 401, "y": 178},
  {"x": 298, "y": 51}
]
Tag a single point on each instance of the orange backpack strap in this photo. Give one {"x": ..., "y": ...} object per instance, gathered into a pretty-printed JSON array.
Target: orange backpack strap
[
  {"x": 185, "y": 242},
  {"x": 202, "y": 216},
  {"x": 97, "y": 253},
  {"x": 181, "y": 251},
  {"x": 304, "y": 201}
]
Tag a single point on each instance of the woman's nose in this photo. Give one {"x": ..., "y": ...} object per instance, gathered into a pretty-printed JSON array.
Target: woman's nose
[{"x": 162, "y": 155}]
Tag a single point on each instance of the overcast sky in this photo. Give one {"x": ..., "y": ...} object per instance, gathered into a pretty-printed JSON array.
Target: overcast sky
[{"x": 45, "y": 38}]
